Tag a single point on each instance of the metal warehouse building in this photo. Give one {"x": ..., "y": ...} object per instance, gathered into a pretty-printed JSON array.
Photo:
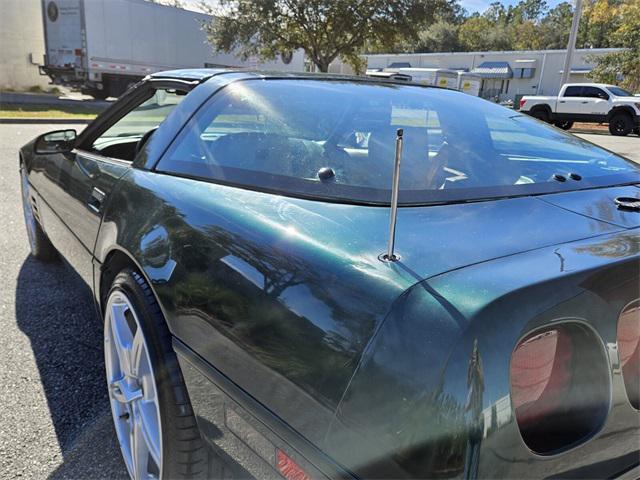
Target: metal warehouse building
[{"x": 505, "y": 75}]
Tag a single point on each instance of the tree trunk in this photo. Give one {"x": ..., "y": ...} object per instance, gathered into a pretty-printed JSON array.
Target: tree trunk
[{"x": 322, "y": 64}]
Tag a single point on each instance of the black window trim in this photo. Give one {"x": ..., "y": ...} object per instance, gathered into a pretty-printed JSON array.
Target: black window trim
[
  {"x": 329, "y": 193},
  {"x": 129, "y": 101}
]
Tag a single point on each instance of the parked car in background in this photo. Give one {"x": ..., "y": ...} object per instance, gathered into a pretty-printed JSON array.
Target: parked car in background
[
  {"x": 234, "y": 229},
  {"x": 587, "y": 102}
]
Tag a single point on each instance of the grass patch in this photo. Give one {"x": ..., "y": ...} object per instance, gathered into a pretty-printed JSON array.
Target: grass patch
[{"x": 46, "y": 111}]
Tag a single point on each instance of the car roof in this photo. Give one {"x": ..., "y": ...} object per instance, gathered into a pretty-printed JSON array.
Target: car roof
[
  {"x": 199, "y": 74},
  {"x": 204, "y": 74}
]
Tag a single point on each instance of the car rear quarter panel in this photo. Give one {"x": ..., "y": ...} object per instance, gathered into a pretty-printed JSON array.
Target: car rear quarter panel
[{"x": 408, "y": 411}]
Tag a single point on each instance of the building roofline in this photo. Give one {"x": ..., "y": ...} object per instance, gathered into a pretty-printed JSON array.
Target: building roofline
[{"x": 497, "y": 52}]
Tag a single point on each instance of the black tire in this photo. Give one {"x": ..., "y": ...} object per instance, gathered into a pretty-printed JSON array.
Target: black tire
[
  {"x": 40, "y": 245},
  {"x": 184, "y": 453},
  {"x": 100, "y": 94},
  {"x": 541, "y": 114},
  {"x": 620, "y": 124},
  {"x": 564, "y": 124},
  {"x": 637, "y": 131}
]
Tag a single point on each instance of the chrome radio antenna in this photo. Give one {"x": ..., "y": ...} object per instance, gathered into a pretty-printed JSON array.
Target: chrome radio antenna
[{"x": 395, "y": 187}]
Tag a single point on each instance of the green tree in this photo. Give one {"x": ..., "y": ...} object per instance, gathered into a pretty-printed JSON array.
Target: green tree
[
  {"x": 555, "y": 26},
  {"x": 480, "y": 33},
  {"x": 623, "y": 67},
  {"x": 530, "y": 10},
  {"x": 324, "y": 29},
  {"x": 526, "y": 36},
  {"x": 598, "y": 22},
  {"x": 442, "y": 36}
]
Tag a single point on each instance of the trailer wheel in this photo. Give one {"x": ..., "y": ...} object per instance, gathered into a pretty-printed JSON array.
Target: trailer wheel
[
  {"x": 99, "y": 94},
  {"x": 620, "y": 124}
]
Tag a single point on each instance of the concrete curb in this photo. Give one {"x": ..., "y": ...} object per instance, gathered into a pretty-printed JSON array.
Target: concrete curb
[
  {"x": 55, "y": 121},
  {"x": 597, "y": 132},
  {"x": 589, "y": 132}
]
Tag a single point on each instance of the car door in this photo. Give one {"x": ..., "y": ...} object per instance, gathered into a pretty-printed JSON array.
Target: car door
[
  {"x": 598, "y": 104},
  {"x": 571, "y": 103},
  {"x": 84, "y": 178}
]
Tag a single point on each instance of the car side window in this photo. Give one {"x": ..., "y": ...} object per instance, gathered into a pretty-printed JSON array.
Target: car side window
[
  {"x": 125, "y": 137},
  {"x": 573, "y": 92},
  {"x": 594, "y": 92}
]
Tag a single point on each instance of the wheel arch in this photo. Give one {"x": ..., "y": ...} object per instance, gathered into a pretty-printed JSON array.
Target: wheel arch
[
  {"x": 116, "y": 260},
  {"x": 625, "y": 109},
  {"x": 542, "y": 106}
]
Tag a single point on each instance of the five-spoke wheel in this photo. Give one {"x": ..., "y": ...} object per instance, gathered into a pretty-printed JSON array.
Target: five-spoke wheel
[
  {"x": 132, "y": 389},
  {"x": 152, "y": 413}
]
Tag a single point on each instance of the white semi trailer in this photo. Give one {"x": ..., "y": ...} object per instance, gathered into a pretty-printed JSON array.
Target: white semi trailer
[
  {"x": 469, "y": 83},
  {"x": 104, "y": 46},
  {"x": 440, "y": 77}
]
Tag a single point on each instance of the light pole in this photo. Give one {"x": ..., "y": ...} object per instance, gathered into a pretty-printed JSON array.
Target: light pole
[{"x": 572, "y": 42}]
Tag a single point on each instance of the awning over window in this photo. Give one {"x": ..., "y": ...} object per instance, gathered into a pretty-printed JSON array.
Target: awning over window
[{"x": 494, "y": 70}]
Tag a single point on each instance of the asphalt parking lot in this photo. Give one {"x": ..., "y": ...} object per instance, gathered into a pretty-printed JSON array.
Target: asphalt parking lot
[
  {"x": 55, "y": 420},
  {"x": 627, "y": 146}
]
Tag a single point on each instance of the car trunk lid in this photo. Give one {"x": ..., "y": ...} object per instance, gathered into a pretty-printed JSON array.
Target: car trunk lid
[{"x": 615, "y": 205}]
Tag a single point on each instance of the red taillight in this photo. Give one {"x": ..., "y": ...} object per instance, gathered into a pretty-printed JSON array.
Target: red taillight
[
  {"x": 560, "y": 386},
  {"x": 629, "y": 351},
  {"x": 289, "y": 469},
  {"x": 522, "y": 102},
  {"x": 540, "y": 375}
]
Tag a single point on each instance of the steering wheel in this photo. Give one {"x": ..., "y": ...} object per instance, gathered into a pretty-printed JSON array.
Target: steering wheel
[{"x": 143, "y": 140}]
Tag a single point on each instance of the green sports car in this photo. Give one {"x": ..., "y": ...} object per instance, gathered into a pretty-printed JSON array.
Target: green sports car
[{"x": 315, "y": 276}]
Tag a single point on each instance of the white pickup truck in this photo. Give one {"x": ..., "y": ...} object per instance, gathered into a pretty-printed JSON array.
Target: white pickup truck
[{"x": 587, "y": 102}]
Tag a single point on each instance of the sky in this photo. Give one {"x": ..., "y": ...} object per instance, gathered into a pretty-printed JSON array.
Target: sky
[{"x": 470, "y": 5}]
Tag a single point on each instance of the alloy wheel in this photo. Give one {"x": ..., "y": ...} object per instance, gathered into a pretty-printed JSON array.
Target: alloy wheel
[
  {"x": 132, "y": 389},
  {"x": 618, "y": 126}
]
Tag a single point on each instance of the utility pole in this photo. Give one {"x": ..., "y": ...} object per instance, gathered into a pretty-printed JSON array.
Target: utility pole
[{"x": 572, "y": 42}]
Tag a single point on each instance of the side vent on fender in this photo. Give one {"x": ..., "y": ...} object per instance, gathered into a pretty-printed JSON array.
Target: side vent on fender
[{"x": 560, "y": 387}]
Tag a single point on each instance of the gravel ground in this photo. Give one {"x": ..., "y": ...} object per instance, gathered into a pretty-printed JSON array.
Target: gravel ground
[{"x": 55, "y": 420}]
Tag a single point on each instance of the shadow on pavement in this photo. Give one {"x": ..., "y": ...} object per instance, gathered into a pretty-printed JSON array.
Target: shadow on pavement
[{"x": 54, "y": 308}]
